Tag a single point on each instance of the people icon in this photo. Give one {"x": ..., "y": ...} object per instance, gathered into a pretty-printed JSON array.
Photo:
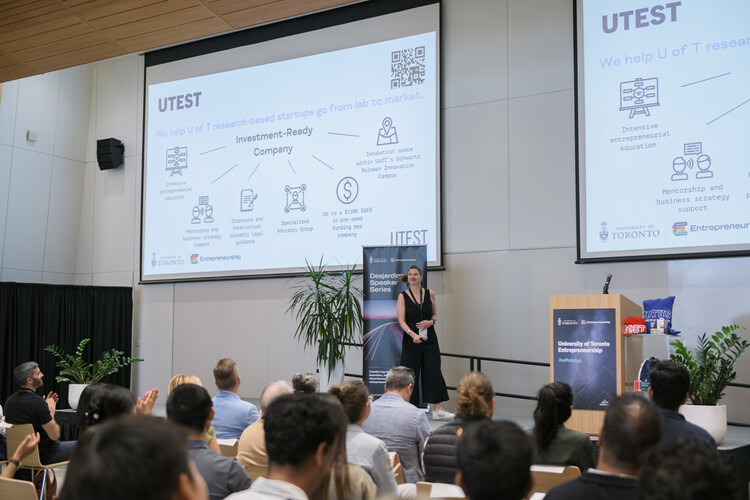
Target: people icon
[
  {"x": 704, "y": 163},
  {"x": 209, "y": 211},
  {"x": 196, "y": 215},
  {"x": 679, "y": 165},
  {"x": 387, "y": 133}
]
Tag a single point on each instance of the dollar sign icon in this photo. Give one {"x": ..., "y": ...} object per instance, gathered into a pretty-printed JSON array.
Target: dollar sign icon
[{"x": 347, "y": 190}]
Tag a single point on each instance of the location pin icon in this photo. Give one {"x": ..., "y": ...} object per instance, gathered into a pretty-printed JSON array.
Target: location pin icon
[{"x": 387, "y": 125}]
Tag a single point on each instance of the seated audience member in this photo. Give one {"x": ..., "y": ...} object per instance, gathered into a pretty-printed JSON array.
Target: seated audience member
[
  {"x": 27, "y": 407},
  {"x": 632, "y": 427},
  {"x": 104, "y": 402},
  {"x": 251, "y": 450},
  {"x": 190, "y": 405},
  {"x": 494, "y": 461},
  {"x": 475, "y": 401},
  {"x": 553, "y": 443},
  {"x": 305, "y": 383},
  {"x": 180, "y": 379},
  {"x": 688, "y": 469},
  {"x": 100, "y": 402},
  {"x": 399, "y": 424},
  {"x": 362, "y": 449},
  {"x": 669, "y": 390},
  {"x": 132, "y": 457},
  {"x": 233, "y": 415},
  {"x": 14, "y": 461},
  {"x": 305, "y": 435}
]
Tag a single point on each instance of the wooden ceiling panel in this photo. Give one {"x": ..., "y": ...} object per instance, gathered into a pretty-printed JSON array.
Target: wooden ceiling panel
[
  {"x": 95, "y": 9},
  {"x": 75, "y": 58},
  {"x": 13, "y": 11},
  {"x": 152, "y": 12},
  {"x": 60, "y": 47},
  {"x": 14, "y": 69},
  {"x": 37, "y": 36},
  {"x": 38, "y": 39},
  {"x": 266, "y": 12},
  {"x": 165, "y": 22},
  {"x": 46, "y": 23},
  {"x": 224, "y": 7},
  {"x": 168, "y": 36}
]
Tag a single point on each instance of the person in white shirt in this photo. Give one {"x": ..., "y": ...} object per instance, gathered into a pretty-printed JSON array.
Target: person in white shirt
[{"x": 304, "y": 436}]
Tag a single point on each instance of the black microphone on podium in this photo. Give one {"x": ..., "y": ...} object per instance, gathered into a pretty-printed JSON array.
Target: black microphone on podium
[{"x": 606, "y": 284}]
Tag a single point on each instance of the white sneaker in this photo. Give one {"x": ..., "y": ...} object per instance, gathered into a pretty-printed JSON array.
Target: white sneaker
[{"x": 442, "y": 415}]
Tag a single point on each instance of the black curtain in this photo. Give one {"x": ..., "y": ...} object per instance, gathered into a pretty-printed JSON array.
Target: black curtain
[{"x": 33, "y": 316}]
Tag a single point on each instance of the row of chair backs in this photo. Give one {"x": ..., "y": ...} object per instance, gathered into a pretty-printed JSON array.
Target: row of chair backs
[
  {"x": 15, "y": 435},
  {"x": 17, "y": 490},
  {"x": 547, "y": 477},
  {"x": 544, "y": 477}
]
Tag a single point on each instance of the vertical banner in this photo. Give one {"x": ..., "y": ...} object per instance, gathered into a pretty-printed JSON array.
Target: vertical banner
[
  {"x": 383, "y": 335},
  {"x": 585, "y": 355}
]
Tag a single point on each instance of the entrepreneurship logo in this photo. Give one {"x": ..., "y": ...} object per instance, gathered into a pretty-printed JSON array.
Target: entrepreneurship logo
[
  {"x": 153, "y": 259},
  {"x": 679, "y": 229},
  {"x": 194, "y": 258},
  {"x": 603, "y": 232}
]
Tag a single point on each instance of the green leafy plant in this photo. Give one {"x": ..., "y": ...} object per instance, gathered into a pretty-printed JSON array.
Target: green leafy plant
[
  {"x": 328, "y": 311},
  {"x": 76, "y": 370},
  {"x": 711, "y": 366}
]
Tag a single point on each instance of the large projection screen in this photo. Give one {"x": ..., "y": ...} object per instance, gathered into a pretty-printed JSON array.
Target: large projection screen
[
  {"x": 301, "y": 147},
  {"x": 663, "y": 107}
]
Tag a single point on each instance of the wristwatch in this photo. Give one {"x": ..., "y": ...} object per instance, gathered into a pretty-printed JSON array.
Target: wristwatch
[
  {"x": 15, "y": 462},
  {"x": 434, "y": 321}
]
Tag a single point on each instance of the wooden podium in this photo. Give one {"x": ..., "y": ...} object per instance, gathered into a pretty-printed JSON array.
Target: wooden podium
[{"x": 587, "y": 352}]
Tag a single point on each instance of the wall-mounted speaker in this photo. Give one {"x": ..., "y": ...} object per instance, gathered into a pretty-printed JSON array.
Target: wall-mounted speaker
[{"x": 109, "y": 153}]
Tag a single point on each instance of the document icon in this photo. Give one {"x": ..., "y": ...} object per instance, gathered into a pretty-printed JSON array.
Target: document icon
[{"x": 247, "y": 197}]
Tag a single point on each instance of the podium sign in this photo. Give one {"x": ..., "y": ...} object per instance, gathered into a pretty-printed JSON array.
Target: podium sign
[
  {"x": 585, "y": 355},
  {"x": 587, "y": 351}
]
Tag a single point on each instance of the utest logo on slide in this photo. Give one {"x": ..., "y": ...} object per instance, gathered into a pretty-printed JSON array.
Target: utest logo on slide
[
  {"x": 180, "y": 101},
  {"x": 640, "y": 18}
]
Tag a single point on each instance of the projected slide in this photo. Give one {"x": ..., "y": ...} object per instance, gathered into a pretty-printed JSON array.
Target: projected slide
[
  {"x": 255, "y": 169},
  {"x": 664, "y": 109}
]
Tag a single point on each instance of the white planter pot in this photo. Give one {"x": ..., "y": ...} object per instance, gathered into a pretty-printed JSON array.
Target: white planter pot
[
  {"x": 711, "y": 418},
  {"x": 336, "y": 376},
  {"x": 74, "y": 394}
]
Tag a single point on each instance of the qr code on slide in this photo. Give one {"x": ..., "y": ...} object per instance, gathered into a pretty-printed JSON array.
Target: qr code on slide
[{"x": 407, "y": 67}]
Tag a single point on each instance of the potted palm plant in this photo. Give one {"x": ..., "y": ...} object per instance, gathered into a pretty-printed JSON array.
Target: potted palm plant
[
  {"x": 711, "y": 368},
  {"x": 79, "y": 373},
  {"x": 327, "y": 308}
]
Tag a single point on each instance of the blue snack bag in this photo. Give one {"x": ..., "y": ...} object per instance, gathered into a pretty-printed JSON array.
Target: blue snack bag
[{"x": 654, "y": 309}]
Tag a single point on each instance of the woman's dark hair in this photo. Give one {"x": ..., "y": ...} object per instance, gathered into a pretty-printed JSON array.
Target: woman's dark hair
[
  {"x": 553, "y": 408},
  {"x": 91, "y": 391},
  {"x": 105, "y": 402},
  {"x": 353, "y": 395},
  {"x": 473, "y": 395}
]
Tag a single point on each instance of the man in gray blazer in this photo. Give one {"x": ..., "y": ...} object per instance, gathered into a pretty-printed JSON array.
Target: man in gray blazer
[{"x": 401, "y": 425}]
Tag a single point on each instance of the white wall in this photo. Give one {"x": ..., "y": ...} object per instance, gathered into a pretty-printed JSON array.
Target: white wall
[{"x": 509, "y": 205}]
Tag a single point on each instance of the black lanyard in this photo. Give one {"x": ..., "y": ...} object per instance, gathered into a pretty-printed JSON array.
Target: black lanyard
[{"x": 421, "y": 313}]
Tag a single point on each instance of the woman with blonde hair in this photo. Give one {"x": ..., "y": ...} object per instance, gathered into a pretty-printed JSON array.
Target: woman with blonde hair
[
  {"x": 362, "y": 449},
  {"x": 475, "y": 401},
  {"x": 180, "y": 379}
]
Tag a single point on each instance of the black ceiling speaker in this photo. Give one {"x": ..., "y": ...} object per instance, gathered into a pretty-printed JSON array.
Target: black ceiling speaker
[{"x": 109, "y": 153}]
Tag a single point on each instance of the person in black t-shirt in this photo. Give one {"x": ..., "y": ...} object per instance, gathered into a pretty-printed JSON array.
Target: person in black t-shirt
[{"x": 27, "y": 407}]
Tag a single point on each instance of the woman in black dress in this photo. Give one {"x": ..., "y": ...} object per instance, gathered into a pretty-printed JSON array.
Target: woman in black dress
[{"x": 417, "y": 315}]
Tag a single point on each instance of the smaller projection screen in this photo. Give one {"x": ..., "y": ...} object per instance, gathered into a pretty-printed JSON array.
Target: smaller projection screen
[
  {"x": 663, "y": 108},
  {"x": 307, "y": 145}
]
